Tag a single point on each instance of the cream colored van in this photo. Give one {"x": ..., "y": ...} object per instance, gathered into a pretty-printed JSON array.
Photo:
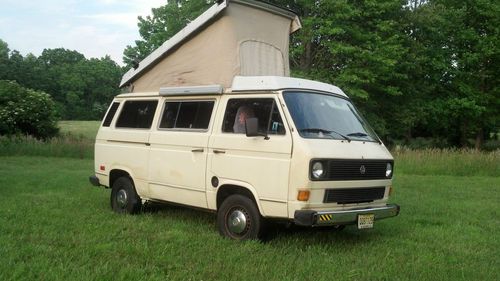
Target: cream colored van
[{"x": 266, "y": 148}]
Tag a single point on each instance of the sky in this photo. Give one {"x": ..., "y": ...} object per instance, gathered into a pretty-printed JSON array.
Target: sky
[{"x": 94, "y": 28}]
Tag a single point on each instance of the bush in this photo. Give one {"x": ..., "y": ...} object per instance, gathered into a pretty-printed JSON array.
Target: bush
[{"x": 26, "y": 112}]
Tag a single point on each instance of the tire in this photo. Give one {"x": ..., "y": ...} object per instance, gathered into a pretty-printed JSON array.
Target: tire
[
  {"x": 242, "y": 211},
  {"x": 124, "y": 198}
]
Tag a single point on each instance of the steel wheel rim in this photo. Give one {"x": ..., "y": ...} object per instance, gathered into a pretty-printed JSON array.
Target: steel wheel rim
[
  {"x": 121, "y": 198},
  {"x": 238, "y": 221}
]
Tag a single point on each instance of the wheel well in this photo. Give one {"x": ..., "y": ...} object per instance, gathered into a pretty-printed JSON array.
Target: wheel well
[
  {"x": 227, "y": 190},
  {"x": 116, "y": 174}
]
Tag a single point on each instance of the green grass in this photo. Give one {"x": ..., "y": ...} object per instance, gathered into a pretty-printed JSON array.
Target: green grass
[
  {"x": 55, "y": 226},
  {"x": 461, "y": 162},
  {"x": 76, "y": 140},
  {"x": 84, "y": 129}
]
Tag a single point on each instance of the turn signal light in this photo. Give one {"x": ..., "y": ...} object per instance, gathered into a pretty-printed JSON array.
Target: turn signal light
[
  {"x": 303, "y": 195},
  {"x": 390, "y": 190}
]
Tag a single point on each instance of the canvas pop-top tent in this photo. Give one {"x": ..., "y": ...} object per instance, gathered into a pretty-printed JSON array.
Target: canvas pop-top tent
[{"x": 233, "y": 37}]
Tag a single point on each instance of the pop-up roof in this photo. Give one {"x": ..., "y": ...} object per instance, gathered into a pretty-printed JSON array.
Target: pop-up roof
[{"x": 234, "y": 37}]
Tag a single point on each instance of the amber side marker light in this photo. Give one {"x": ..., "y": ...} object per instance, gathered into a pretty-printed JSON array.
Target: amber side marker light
[
  {"x": 303, "y": 195},
  {"x": 390, "y": 190}
]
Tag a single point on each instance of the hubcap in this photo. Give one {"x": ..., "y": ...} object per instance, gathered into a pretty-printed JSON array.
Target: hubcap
[
  {"x": 121, "y": 198},
  {"x": 237, "y": 222}
]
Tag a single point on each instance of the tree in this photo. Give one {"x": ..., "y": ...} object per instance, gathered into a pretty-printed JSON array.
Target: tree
[
  {"x": 25, "y": 111},
  {"x": 4, "y": 59},
  {"x": 455, "y": 51},
  {"x": 357, "y": 45},
  {"x": 81, "y": 88}
]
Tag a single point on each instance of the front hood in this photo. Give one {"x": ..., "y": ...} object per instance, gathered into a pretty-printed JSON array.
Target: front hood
[{"x": 340, "y": 149}]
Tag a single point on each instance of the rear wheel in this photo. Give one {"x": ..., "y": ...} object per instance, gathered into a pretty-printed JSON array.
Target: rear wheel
[
  {"x": 124, "y": 198},
  {"x": 238, "y": 218}
]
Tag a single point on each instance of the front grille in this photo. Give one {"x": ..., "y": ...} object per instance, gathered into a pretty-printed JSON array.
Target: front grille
[
  {"x": 353, "y": 195},
  {"x": 349, "y": 169}
]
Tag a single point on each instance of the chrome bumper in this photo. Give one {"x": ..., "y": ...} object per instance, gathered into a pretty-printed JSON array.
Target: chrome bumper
[{"x": 342, "y": 217}]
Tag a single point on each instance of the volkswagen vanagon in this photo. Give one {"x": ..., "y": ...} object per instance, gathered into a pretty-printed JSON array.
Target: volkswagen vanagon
[{"x": 267, "y": 148}]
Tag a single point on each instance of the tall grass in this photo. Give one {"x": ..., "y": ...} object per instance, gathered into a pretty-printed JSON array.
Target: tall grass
[
  {"x": 76, "y": 140},
  {"x": 83, "y": 129},
  {"x": 66, "y": 145},
  {"x": 454, "y": 162}
]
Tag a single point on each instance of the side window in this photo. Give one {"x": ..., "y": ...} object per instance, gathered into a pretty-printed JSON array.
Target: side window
[
  {"x": 137, "y": 114},
  {"x": 187, "y": 115},
  {"x": 265, "y": 109},
  {"x": 111, "y": 113}
]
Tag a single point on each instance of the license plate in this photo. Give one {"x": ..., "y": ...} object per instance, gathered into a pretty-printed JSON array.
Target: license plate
[{"x": 365, "y": 221}]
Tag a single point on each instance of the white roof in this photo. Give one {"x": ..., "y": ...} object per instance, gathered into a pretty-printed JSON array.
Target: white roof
[
  {"x": 274, "y": 83},
  {"x": 245, "y": 84},
  {"x": 197, "y": 25}
]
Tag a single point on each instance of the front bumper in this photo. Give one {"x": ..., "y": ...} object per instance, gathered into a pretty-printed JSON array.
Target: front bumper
[{"x": 342, "y": 217}]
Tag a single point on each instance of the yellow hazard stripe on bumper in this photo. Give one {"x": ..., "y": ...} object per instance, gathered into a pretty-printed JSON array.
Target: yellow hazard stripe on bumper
[{"x": 325, "y": 217}]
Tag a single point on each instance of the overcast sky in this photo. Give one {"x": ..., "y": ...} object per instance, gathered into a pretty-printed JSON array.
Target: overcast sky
[{"x": 94, "y": 28}]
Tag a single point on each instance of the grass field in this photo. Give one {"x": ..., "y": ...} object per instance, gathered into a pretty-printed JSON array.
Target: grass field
[
  {"x": 55, "y": 226},
  {"x": 84, "y": 129}
]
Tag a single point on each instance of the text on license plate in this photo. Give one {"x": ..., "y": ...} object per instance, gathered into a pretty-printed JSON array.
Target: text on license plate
[{"x": 365, "y": 221}]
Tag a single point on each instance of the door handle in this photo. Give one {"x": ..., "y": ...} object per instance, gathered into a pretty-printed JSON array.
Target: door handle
[
  {"x": 197, "y": 150},
  {"x": 216, "y": 151}
]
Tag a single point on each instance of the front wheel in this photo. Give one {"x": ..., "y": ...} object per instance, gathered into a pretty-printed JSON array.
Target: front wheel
[
  {"x": 124, "y": 198},
  {"x": 238, "y": 218}
]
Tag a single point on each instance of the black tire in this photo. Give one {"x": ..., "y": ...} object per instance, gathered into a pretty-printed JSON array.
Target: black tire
[
  {"x": 124, "y": 198},
  {"x": 250, "y": 228}
]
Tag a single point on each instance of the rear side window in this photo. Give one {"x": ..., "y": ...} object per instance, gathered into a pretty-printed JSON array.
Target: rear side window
[
  {"x": 137, "y": 114},
  {"x": 187, "y": 115},
  {"x": 110, "y": 115}
]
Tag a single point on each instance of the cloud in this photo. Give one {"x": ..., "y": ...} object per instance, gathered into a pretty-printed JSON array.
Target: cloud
[
  {"x": 139, "y": 7},
  {"x": 94, "y": 28},
  {"x": 128, "y": 20}
]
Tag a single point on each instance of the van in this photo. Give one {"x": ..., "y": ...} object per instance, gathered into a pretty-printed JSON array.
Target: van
[{"x": 268, "y": 148}]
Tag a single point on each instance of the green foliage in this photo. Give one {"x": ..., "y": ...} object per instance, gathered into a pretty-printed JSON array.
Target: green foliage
[
  {"x": 164, "y": 23},
  {"x": 415, "y": 68},
  {"x": 455, "y": 49},
  {"x": 81, "y": 88},
  {"x": 26, "y": 112}
]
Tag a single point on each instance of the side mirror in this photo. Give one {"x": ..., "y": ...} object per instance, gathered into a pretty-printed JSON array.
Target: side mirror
[{"x": 252, "y": 128}]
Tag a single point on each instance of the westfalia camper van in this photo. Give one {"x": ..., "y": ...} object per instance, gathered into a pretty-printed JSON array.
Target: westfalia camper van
[{"x": 228, "y": 131}]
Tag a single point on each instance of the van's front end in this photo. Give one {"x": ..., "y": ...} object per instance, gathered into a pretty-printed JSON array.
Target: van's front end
[{"x": 341, "y": 173}]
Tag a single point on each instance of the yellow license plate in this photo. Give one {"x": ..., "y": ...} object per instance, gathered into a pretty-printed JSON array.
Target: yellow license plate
[{"x": 365, "y": 221}]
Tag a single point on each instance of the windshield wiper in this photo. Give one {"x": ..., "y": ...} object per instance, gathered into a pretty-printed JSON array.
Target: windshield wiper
[
  {"x": 357, "y": 134},
  {"x": 361, "y": 135},
  {"x": 318, "y": 130}
]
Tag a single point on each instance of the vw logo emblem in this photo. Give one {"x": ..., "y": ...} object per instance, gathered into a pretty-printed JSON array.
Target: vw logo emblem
[{"x": 362, "y": 169}]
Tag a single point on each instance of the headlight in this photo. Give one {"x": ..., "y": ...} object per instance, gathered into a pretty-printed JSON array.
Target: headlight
[
  {"x": 317, "y": 170},
  {"x": 388, "y": 170}
]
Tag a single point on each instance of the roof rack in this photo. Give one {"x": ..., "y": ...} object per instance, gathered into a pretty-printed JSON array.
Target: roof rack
[{"x": 192, "y": 90}]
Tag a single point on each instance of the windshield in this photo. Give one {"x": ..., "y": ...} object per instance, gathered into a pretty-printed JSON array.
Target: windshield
[{"x": 327, "y": 116}]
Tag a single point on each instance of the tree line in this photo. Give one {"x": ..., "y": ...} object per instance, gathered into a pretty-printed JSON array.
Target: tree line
[
  {"x": 422, "y": 71},
  {"x": 81, "y": 88},
  {"x": 418, "y": 69}
]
